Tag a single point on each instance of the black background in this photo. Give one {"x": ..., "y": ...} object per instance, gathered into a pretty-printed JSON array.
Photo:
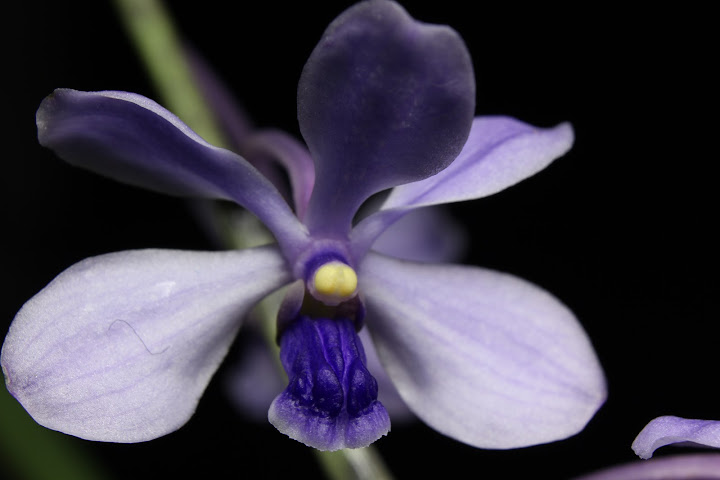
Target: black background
[{"x": 622, "y": 229}]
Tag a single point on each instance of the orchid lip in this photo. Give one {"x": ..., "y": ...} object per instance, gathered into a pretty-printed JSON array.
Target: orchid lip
[{"x": 331, "y": 398}]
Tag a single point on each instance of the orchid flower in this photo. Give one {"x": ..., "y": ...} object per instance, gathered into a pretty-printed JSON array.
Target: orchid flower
[{"x": 120, "y": 347}]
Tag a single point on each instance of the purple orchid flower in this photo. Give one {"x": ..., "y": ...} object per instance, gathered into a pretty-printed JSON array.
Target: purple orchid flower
[{"x": 120, "y": 347}]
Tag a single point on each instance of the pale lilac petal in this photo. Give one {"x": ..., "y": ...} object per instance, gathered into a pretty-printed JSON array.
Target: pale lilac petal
[
  {"x": 383, "y": 100},
  {"x": 499, "y": 153},
  {"x": 483, "y": 357},
  {"x": 669, "y": 430},
  {"x": 132, "y": 139},
  {"x": 678, "y": 467},
  {"x": 120, "y": 347}
]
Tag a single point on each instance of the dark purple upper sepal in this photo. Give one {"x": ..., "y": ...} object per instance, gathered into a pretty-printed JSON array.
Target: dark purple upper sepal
[
  {"x": 132, "y": 139},
  {"x": 383, "y": 100},
  {"x": 331, "y": 399}
]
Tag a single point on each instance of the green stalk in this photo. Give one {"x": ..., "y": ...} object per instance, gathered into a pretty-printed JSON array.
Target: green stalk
[
  {"x": 151, "y": 30},
  {"x": 354, "y": 464}
]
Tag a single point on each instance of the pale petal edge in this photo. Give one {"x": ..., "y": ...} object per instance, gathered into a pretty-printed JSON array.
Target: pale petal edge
[{"x": 668, "y": 430}]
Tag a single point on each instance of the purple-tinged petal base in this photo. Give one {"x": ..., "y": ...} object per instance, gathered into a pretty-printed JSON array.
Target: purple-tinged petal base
[
  {"x": 331, "y": 399},
  {"x": 669, "y": 430}
]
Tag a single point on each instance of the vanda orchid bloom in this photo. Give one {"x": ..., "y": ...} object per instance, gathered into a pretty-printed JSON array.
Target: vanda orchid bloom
[{"x": 120, "y": 347}]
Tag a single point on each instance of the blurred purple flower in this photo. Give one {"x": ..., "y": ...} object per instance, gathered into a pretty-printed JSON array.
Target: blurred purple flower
[
  {"x": 121, "y": 346},
  {"x": 663, "y": 431},
  {"x": 668, "y": 430}
]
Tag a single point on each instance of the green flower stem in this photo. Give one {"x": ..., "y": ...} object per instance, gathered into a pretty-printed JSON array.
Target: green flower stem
[
  {"x": 356, "y": 464},
  {"x": 151, "y": 30}
]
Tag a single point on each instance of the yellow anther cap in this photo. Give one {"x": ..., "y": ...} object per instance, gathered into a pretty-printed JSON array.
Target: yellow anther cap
[{"x": 334, "y": 282}]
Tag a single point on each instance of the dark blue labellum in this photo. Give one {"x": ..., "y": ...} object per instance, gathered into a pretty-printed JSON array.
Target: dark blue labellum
[{"x": 331, "y": 398}]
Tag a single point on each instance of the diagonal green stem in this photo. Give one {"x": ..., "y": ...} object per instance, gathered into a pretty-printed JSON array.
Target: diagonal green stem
[
  {"x": 151, "y": 30},
  {"x": 357, "y": 464}
]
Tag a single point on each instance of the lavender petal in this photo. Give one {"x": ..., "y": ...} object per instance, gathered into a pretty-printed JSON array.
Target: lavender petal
[
  {"x": 669, "y": 430},
  {"x": 483, "y": 357},
  {"x": 499, "y": 153},
  {"x": 120, "y": 347}
]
